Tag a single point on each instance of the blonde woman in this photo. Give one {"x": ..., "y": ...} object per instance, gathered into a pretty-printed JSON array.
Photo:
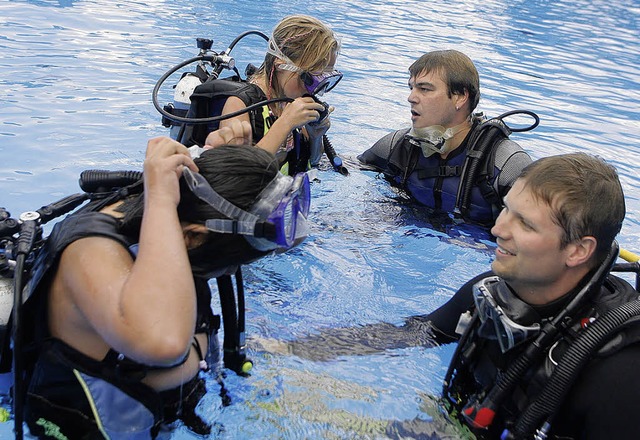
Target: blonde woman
[{"x": 299, "y": 65}]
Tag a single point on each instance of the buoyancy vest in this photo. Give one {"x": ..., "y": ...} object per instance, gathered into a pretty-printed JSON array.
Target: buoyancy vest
[
  {"x": 208, "y": 100},
  {"x": 438, "y": 183},
  {"x": 113, "y": 376},
  {"x": 434, "y": 182},
  {"x": 480, "y": 361}
]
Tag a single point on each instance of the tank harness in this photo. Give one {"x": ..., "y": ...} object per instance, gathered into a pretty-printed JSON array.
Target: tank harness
[
  {"x": 200, "y": 97},
  {"x": 28, "y": 258},
  {"x": 207, "y": 102},
  {"x": 208, "y": 99},
  {"x": 472, "y": 166},
  {"x": 482, "y": 147},
  {"x": 528, "y": 389}
]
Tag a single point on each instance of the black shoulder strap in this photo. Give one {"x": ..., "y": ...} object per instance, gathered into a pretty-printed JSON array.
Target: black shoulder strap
[
  {"x": 484, "y": 139},
  {"x": 483, "y": 143},
  {"x": 66, "y": 232}
]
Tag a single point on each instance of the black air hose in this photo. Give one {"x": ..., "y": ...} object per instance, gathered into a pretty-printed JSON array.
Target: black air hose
[
  {"x": 61, "y": 207},
  {"x": 629, "y": 267},
  {"x": 333, "y": 157},
  {"x": 92, "y": 181},
  {"x": 29, "y": 233},
  {"x": 567, "y": 371}
]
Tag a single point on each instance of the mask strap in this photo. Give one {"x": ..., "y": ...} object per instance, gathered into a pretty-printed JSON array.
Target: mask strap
[
  {"x": 273, "y": 49},
  {"x": 239, "y": 221}
]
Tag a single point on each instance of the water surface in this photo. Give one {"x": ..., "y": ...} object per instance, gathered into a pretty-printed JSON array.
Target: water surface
[{"x": 77, "y": 79}]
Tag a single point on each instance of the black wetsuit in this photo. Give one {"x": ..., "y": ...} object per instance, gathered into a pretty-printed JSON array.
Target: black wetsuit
[{"x": 603, "y": 402}]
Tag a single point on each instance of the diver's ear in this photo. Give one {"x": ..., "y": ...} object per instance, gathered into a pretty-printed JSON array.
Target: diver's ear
[
  {"x": 461, "y": 99},
  {"x": 194, "y": 234},
  {"x": 581, "y": 251}
]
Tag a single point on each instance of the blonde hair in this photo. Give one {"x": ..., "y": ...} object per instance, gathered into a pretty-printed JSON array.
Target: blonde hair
[{"x": 306, "y": 41}]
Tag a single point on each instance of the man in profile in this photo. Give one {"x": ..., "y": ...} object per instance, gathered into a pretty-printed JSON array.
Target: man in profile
[{"x": 450, "y": 159}]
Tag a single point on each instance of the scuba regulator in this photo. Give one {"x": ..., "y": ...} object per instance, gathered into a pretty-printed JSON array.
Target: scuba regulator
[
  {"x": 177, "y": 116},
  {"x": 210, "y": 65}
]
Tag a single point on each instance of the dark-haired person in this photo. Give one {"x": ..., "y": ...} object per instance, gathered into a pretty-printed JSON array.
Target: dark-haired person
[
  {"x": 121, "y": 304},
  {"x": 549, "y": 340},
  {"x": 429, "y": 160}
]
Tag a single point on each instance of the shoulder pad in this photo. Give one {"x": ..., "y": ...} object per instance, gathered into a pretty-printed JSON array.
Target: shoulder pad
[{"x": 378, "y": 155}]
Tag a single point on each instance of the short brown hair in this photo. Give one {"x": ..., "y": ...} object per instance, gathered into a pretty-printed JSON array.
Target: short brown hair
[
  {"x": 584, "y": 194},
  {"x": 456, "y": 69}
]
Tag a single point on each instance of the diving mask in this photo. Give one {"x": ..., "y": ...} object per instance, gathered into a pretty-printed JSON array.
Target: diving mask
[
  {"x": 435, "y": 138},
  {"x": 321, "y": 83},
  {"x": 503, "y": 316},
  {"x": 315, "y": 83},
  {"x": 277, "y": 219}
]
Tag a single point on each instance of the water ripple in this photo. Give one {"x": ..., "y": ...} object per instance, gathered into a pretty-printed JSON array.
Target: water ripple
[{"x": 77, "y": 79}]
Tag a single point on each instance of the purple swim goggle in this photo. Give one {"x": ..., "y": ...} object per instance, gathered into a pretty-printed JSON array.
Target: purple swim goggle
[
  {"x": 322, "y": 83},
  {"x": 277, "y": 219},
  {"x": 315, "y": 83}
]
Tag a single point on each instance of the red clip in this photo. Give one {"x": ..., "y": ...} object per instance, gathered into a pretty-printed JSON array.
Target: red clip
[
  {"x": 479, "y": 418},
  {"x": 584, "y": 322}
]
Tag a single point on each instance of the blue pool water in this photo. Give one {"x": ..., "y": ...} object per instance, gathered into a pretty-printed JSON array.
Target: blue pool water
[{"x": 76, "y": 80}]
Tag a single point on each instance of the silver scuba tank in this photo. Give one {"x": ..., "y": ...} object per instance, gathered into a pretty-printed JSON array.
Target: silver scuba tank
[
  {"x": 6, "y": 299},
  {"x": 182, "y": 101}
]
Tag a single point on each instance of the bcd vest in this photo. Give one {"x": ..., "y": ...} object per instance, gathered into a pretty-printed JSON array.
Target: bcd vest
[
  {"x": 115, "y": 374},
  {"x": 480, "y": 361},
  {"x": 434, "y": 182},
  {"x": 464, "y": 182},
  {"x": 208, "y": 100}
]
